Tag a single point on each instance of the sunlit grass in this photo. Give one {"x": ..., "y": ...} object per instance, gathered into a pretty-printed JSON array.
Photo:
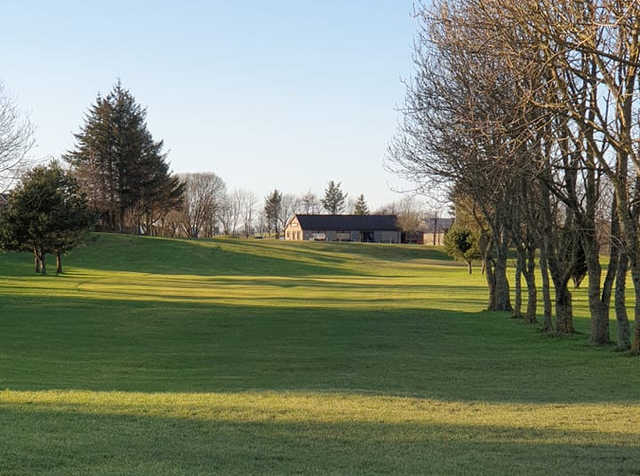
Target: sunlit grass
[{"x": 153, "y": 356}]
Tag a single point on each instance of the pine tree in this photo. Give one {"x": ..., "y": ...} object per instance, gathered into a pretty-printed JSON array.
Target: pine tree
[
  {"x": 334, "y": 199},
  {"x": 118, "y": 164},
  {"x": 273, "y": 210},
  {"x": 361, "y": 208}
]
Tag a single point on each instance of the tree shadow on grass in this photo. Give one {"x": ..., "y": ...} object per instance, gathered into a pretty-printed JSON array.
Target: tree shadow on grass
[
  {"x": 151, "y": 346},
  {"x": 216, "y": 290},
  {"x": 175, "y": 257},
  {"x": 96, "y": 439},
  {"x": 344, "y": 251},
  {"x": 126, "y": 253}
]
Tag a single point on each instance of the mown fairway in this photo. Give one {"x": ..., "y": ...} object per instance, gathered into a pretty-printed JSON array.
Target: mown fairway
[{"x": 158, "y": 357}]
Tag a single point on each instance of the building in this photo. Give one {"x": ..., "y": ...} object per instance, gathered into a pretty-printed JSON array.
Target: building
[
  {"x": 435, "y": 229},
  {"x": 362, "y": 228}
]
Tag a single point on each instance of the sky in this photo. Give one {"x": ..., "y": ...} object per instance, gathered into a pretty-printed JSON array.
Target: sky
[{"x": 266, "y": 94}]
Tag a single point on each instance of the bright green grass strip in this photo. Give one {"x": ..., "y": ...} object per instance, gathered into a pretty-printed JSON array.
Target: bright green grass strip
[
  {"x": 288, "y": 432},
  {"x": 154, "y": 356}
]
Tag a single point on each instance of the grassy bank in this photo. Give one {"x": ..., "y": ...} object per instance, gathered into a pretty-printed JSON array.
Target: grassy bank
[{"x": 176, "y": 357}]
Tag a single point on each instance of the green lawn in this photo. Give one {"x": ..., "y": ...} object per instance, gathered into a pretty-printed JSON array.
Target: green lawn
[{"x": 152, "y": 356}]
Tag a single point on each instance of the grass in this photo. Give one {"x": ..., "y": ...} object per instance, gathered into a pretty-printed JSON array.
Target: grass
[{"x": 152, "y": 356}]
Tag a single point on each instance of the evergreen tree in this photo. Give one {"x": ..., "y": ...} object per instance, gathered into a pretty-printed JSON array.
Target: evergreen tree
[
  {"x": 118, "y": 164},
  {"x": 334, "y": 199},
  {"x": 273, "y": 210},
  {"x": 463, "y": 244},
  {"x": 160, "y": 193},
  {"x": 45, "y": 213},
  {"x": 361, "y": 208}
]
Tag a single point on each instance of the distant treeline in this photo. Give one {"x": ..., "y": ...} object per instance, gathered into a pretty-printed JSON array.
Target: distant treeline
[{"x": 124, "y": 176}]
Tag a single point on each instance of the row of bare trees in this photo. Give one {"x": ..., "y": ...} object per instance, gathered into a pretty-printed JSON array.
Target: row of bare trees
[
  {"x": 527, "y": 113},
  {"x": 208, "y": 209}
]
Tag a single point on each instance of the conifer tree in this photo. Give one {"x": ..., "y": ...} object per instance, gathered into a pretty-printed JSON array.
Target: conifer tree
[
  {"x": 117, "y": 161},
  {"x": 273, "y": 210},
  {"x": 334, "y": 198},
  {"x": 45, "y": 213},
  {"x": 360, "y": 207}
]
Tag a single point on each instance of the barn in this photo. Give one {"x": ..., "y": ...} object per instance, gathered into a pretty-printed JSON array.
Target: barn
[{"x": 362, "y": 228}]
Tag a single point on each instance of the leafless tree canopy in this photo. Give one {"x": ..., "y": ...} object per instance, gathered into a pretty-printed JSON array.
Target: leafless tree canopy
[
  {"x": 16, "y": 140},
  {"x": 203, "y": 200},
  {"x": 527, "y": 112}
]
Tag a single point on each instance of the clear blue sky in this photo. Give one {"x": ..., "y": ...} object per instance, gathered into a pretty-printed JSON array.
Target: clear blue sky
[{"x": 286, "y": 94}]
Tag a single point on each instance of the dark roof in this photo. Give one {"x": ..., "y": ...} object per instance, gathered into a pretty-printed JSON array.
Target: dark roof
[{"x": 348, "y": 222}]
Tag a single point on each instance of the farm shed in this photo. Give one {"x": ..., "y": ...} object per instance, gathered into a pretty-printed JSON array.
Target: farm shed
[{"x": 362, "y": 228}]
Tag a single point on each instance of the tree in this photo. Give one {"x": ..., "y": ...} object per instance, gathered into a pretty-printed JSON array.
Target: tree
[
  {"x": 248, "y": 210},
  {"x": 16, "y": 140},
  {"x": 310, "y": 204},
  {"x": 462, "y": 243},
  {"x": 203, "y": 198},
  {"x": 334, "y": 198},
  {"x": 161, "y": 193},
  {"x": 289, "y": 206},
  {"x": 575, "y": 66},
  {"x": 231, "y": 212},
  {"x": 451, "y": 136},
  {"x": 117, "y": 161},
  {"x": 273, "y": 211},
  {"x": 360, "y": 207},
  {"x": 45, "y": 213},
  {"x": 529, "y": 110},
  {"x": 410, "y": 214},
  {"x": 408, "y": 210}
]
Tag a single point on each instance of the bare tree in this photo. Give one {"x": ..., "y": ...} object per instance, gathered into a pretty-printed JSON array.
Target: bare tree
[
  {"x": 203, "y": 198},
  {"x": 530, "y": 110},
  {"x": 310, "y": 204},
  {"x": 16, "y": 140},
  {"x": 582, "y": 61},
  {"x": 248, "y": 204},
  {"x": 453, "y": 133},
  {"x": 231, "y": 211},
  {"x": 289, "y": 206}
]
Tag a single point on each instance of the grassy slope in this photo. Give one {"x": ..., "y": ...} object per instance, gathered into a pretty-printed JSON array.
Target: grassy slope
[{"x": 172, "y": 357}]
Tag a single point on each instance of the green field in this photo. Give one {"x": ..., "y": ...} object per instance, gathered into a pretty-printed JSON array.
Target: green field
[{"x": 153, "y": 356}]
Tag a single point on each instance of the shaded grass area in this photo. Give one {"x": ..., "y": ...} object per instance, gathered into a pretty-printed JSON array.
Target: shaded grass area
[
  {"x": 158, "y": 356},
  {"x": 257, "y": 433},
  {"x": 173, "y": 347}
]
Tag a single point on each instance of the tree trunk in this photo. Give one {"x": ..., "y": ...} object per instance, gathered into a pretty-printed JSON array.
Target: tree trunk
[
  {"x": 469, "y": 267},
  {"x": 564, "y": 309},
  {"x": 624, "y": 329},
  {"x": 502, "y": 298},
  {"x": 517, "y": 310},
  {"x": 121, "y": 220},
  {"x": 635, "y": 277},
  {"x": 58, "y": 262},
  {"x": 598, "y": 308},
  {"x": 43, "y": 263},
  {"x": 532, "y": 298},
  {"x": 36, "y": 261},
  {"x": 629, "y": 232},
  {"x": 491, "y": 283},
  {"x": 546, "y": 293}
]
